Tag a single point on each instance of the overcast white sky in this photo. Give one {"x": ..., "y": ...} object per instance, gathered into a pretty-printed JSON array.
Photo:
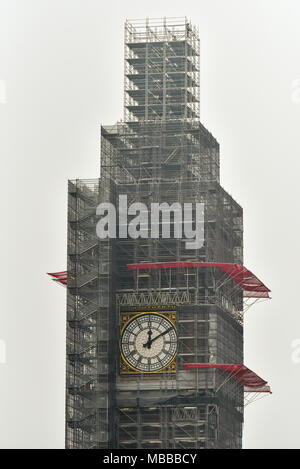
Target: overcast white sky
[{"x": 61, "y": 76}]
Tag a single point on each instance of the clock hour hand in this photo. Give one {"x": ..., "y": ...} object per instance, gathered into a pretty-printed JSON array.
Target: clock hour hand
[{"x": 148, "y": 343}]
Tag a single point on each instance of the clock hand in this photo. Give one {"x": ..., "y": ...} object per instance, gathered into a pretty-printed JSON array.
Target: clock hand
[
  {"x": 148, "y": 343},
  {"x": 159, "y": 335}
]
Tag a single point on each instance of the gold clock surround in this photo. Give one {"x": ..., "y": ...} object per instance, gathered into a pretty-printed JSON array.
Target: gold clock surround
[{"x": 125, "y": 319}]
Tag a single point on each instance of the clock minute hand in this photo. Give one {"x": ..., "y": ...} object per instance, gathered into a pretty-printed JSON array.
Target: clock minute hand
[{"x": 160, "y": 335}]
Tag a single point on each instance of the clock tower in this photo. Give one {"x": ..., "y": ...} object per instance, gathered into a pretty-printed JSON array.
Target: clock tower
[{"x": 141, "y": 310}]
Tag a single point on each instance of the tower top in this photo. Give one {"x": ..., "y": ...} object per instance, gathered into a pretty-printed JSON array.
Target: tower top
[
  {"x": 161, "y": 70},
  {"x": 159, "y": 29}
]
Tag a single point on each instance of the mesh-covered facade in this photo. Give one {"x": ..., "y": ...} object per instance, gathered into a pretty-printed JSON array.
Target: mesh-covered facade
[{"x": 159, "y": 153}]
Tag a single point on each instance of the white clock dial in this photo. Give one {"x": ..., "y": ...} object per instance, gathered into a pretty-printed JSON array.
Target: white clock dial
[{"x": 149, "y": 342}]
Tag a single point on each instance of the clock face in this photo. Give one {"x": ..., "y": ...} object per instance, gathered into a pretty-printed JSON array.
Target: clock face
[{"x": 149, "y": 342}]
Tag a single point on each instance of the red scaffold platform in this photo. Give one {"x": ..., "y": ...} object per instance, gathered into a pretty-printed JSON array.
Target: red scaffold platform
[
  {"x": 60, "y": 277},
  {"x": 250, "y": 380},
  {"x": 254, "y": 386},
  {"x": 251, "y": 285}
]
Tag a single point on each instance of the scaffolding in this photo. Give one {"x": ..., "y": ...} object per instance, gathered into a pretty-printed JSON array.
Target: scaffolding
[
  {"x": 89, "y": 386},
  {"x": 160, "y": 152},
  {"x": 161, "y": 69}
]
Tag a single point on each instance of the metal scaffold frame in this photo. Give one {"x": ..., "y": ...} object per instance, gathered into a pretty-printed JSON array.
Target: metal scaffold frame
[
  {"x": 88, "y": 322},
  {"x": 161, "y": 72},
  {"x": 160, "y": 152}
]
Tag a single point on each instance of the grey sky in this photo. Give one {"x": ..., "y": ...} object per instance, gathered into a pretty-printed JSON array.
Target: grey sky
[{"x": 61, "y": 75}]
